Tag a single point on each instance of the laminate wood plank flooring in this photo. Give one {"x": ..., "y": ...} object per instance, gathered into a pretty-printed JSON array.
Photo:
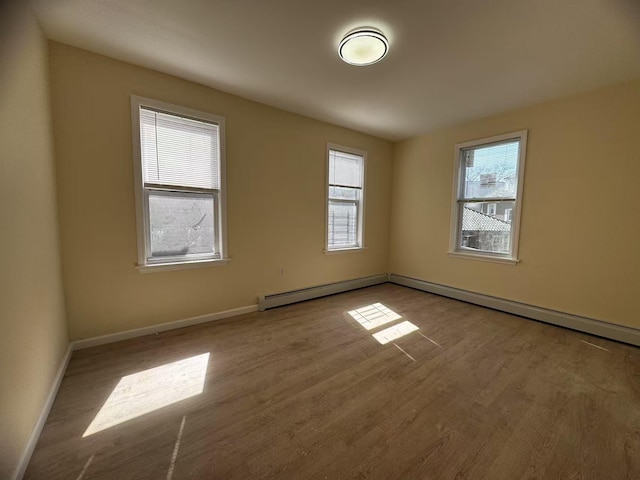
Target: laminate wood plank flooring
[{"x": 306, "y": 392}]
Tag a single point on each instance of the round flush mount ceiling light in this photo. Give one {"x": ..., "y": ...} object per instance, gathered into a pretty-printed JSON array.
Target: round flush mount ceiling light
[{"x": 363, "y": 46}]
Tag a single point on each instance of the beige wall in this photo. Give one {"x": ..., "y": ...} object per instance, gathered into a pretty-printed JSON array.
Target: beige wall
[
  {"x": 580, "y": 227},
  {"x": 34, "y": 333},
  {"x": 276, "y": 165}
]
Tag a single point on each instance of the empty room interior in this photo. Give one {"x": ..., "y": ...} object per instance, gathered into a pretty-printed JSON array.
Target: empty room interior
[{"x": 320, "y": 240}]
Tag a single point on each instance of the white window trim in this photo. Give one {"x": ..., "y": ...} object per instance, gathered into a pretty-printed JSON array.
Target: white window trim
[
  {"x": 160, "y": 267},
  {"x": 142, "y": 219},
  {"x": 361, "y": 233},
  {"x": 459, "y": 252},
  {"x": 344, "y": 250}
]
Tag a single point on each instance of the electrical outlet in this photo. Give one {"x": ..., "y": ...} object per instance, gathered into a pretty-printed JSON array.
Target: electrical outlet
[{"x": 281, "y": 271}]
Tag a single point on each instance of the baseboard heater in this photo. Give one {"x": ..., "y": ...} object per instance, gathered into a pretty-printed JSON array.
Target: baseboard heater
[
  {"x": 286, "y": 298},
  {"x": 567, "y": 320}
]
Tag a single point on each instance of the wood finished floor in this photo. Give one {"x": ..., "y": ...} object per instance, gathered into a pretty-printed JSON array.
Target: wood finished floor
[{"x": 305, "y": 392}]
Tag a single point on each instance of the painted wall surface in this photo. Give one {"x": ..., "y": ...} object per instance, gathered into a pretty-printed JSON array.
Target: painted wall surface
[
  {"x": 276, "y": 164},
  {"x": 580, "y": 227},
  {"x": 32, "y": 318}
]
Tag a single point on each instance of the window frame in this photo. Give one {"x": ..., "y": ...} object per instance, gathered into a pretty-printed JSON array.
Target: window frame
[
  {"x": 458, "y": 199},
  {"x": 142, "y": 192},
  {"x": 360, "y": 205}
]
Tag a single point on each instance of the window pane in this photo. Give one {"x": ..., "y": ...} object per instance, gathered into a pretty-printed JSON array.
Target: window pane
[
  {"x": 344, "y": 193},
  {"x": 491, "y": 171},
  {"x": 343, "y": 224},
  {"x": 486, "y": 226},
  {"x": 181, "y": 223}
]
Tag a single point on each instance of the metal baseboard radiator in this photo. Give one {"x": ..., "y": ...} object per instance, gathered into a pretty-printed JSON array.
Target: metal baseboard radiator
[
  {"x": 566, "y": 320},
  {"x": 286, "y": 298}
]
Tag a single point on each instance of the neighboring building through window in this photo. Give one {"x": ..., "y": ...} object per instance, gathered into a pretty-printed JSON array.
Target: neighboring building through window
[
  {"x": 487, "y": 197},
  {"x": 345, "y": 203},
  {"x": 180, "y": 178}
]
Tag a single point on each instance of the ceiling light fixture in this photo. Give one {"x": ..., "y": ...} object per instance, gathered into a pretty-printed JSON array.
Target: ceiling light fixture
[{"x": 363, "y": 46}]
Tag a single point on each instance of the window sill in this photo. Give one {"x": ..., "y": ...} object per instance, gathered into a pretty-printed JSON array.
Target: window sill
[
  {"x": 344, "y": 250},
  {"x": 161, "y": 267},
  {"x": 484, "y": 258}
]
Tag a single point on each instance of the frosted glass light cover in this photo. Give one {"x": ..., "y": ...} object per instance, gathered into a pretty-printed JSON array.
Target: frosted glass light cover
[{"x": 363, "y": 47}]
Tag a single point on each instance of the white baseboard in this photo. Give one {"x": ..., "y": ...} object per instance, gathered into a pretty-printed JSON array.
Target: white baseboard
[
  {"x": 161, "y": 327},
  {"x": 285, "y": 298},
  {"x": 567, "y": 320},
  {"x": 21, "y": 468}
]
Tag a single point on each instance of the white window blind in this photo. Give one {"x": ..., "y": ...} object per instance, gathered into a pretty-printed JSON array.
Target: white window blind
[
  {"x": 345, "y": 169},
  {"x": 179, "y": 151}
]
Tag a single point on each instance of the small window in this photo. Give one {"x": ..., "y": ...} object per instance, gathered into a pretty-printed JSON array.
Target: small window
[
  {"x": 487, "y": 197},
  {"x": 507, "y": 214},
  {"x": 345, "y": 198},
  {"x": 179, "y": 170}
]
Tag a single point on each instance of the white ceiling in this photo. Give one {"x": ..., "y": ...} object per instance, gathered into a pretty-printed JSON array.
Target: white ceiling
[{"x": 449, "y": 60}]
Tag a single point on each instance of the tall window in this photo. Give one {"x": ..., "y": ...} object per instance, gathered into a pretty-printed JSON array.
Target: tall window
[
  {"x": 345, "y": 198},
  {"x": 488, "y": 197},
  {"x": 179, "y": 170}
]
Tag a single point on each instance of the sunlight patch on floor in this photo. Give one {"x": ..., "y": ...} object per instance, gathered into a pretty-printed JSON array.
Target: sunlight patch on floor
[
  {"x": 149, "y": 390},
  {"x": 396, "y": 331},
  {"x": 374, "y": 315}
]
